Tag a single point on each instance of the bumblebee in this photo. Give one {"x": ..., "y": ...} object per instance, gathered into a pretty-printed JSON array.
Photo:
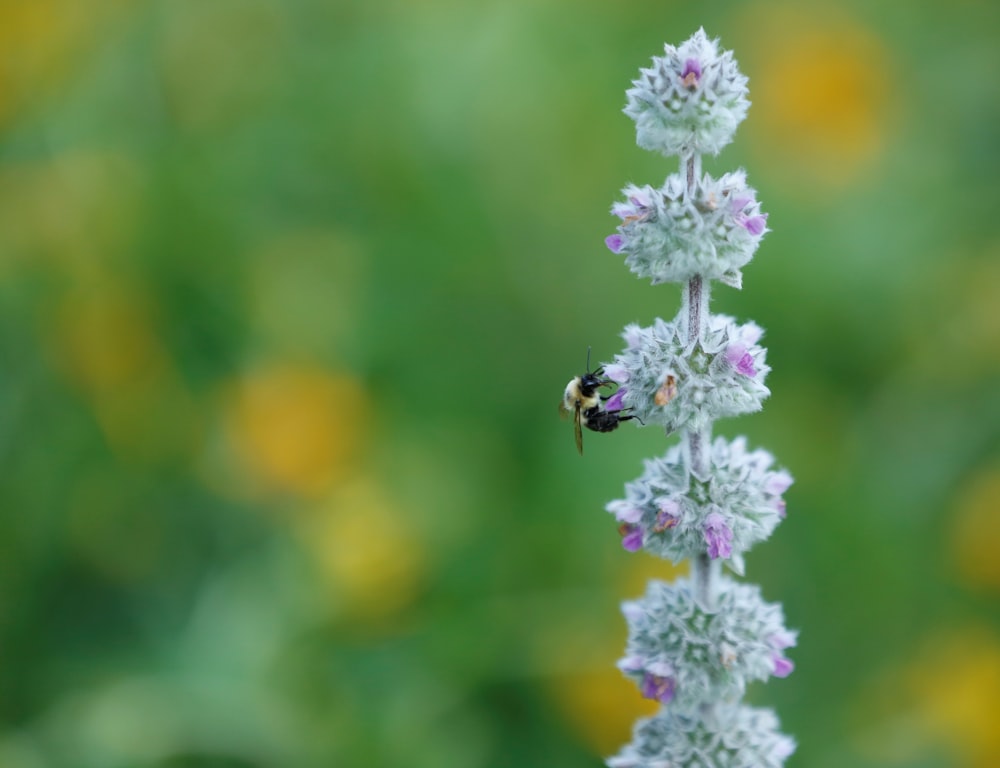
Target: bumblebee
[{"x": 583, "y": 400}]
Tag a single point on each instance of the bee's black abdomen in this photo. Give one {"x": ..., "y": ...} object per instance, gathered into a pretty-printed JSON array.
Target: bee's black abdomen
[{"x": 603, "y": 421}]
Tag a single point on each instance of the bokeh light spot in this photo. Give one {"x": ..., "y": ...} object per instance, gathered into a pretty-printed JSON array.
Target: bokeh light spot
[
  {"x": 42, "y": 41},
  {"x": 602, "y": 707},
  {"x": 942, "y": 699},
  {"x": 820, "y": 82},
  {"x": 79, "y": 210},
  {"x": 976, "y": 530},
  {"x": 957, "y": 685},
  {"x": 222, "y": 61},
  {"x": 106, "y": 343},
  {"x": 107, "y": 340},
  {"x": 366, "y": 548},
  {"x": 306, "y": 291},
  {"x": 598, "y": 702},
  {"x": 292, "y": 429},
  {"x": 956, "y": 313}
]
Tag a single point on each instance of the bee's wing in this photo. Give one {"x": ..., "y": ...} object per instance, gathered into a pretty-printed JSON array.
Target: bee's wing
[
  {"x": 578, "y": 429},
  {"x": 563, "y": 412}
]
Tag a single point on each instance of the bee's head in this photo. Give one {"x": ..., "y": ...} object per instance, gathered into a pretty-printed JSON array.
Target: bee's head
[{"x": 591, "y": 381}]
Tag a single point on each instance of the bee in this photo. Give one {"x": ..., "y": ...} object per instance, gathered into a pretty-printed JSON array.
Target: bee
[{"x": 583, "y": 400}]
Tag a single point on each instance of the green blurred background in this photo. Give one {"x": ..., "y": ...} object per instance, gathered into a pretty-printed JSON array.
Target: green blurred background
[{"x": 289, "y": 291}]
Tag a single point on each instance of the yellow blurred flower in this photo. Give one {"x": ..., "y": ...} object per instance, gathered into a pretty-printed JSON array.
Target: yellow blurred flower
[
  {"x": 104, "y": 339},
  {"x": 957, "y": 683},
  {"x": 599, "y": 703},
  {"x": 946, "y": 698},
  {"x": 819, "y": 84},
  {"x": 42, "y": 42},
  {"x": 109, "y": 344},
  {"x": 954, "y": 311},
  {"x": 289, "y": 428},
  {"x": 602, "y": 706},
  {"x": 372, "y": 560},
  {"x": 78, "y": 210},
  {"x": 976, "y": 530},
  {"x": 221, "y": 60}
]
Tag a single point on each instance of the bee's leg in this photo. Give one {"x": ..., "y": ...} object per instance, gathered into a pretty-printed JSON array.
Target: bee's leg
[
  {"x": 628, "y": 416},
  {"x": 607, "y": 383}
]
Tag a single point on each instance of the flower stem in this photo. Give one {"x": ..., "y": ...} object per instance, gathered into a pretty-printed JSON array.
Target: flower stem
[
  {"x": 690, "y": 166},
  {"x": 697, "y": 297},
  {"x": 702, "y": 587},
  {"x": 697, "y": 439},
  {"x": 704, "y": 572}
]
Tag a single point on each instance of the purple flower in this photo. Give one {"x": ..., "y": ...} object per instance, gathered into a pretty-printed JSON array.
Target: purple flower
[
  {"x": 614, "y": 403},
  {"x": 737, "y": 204},
  {"x": 783, "y": 748},
  {"x": 638, "y": 206},
  {"x": 782, "y": 667},
  {"x": 668, "y": 515},
  {"x": 777, "y": 483},
  {"x": 617, "y": 373},
  {"x": 631, "y": 663},
  {"x": 738, "y": 357},
  {"x": 718, "y": 536},
  {"x": 781, "y": 640},
  {"x": 633, "y": 611},
  {"x": 615, "y": 243},
  {"x": 755, "y": 225},
  {"x": 631, "y": 536},
  {"x": 664, "y": 522},
  {"x": 625, "y": 512},
  {"x": 632, "y": 336},
  {"x": 750, "y": 333},
  {"x": 691, "y": 74},
  {"x": 658, "y": 688}
]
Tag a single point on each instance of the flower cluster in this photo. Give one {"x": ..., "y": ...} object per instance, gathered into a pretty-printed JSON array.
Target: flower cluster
[
  {"x": 694, "y": 645},
  {"x": 690, "y": 100},
  {"x": 682, "y": 653},
  {"x": 672, "y": 233},
  {"x": 683, "y": 385},
  {"x": 731, "y": 735},
  {"x": 677, "y": 515}
]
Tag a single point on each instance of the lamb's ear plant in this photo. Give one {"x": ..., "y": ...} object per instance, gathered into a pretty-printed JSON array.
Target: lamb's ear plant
[{"x": 694, "y": 644}]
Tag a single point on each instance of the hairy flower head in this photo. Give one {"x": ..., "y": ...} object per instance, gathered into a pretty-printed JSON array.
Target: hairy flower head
[
  {"x": 680, "y": 385},
  {"x": 723, "y": 514},
  {"x": 680, "y": 653},
  {"x": 690, "y": 100},
  {"x": 671, "y": 234},
  {"x": 734, "y": 735}
]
